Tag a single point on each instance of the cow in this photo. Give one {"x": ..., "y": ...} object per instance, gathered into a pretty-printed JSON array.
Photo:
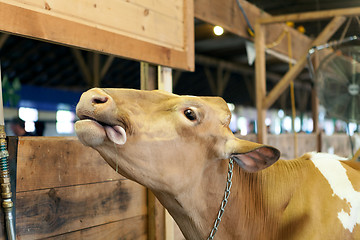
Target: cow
[{"x": 181, "y": 148}]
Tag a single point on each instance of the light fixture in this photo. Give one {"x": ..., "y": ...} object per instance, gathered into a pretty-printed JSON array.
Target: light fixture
[{"x": 218, "y": 30}]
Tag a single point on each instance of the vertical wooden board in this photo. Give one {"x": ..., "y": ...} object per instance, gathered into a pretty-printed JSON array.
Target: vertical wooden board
[
  {"x": 55, "y": 211},
  {"x": 127, "y": 229},
  {"x": 46, "y": 162},
  {"x": 260, "y": 82},
  {"x": 156, "y": 218}
]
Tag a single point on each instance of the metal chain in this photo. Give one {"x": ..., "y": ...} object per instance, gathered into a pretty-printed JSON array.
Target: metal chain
[{"x": 224, "y": 201}]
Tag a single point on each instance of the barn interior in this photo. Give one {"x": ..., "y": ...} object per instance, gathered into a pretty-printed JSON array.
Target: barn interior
[{"x": 43, "y": 77}]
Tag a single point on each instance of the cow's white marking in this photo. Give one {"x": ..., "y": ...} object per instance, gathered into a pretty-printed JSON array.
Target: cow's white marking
[{"x": 335, "y": 174}]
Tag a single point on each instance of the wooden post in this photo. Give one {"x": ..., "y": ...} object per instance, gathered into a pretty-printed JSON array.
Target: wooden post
[
  {"x": 165, "y": 79},
  {"x": 315, "y": 105},
  {"x": 165, "y": 83},
  {"x": 148, "y": 76},
  {"x": 156, "y": 213},
  {"x": 96, "y": 70},
  {"x": 260, "y": 81},
  {"x": 3, "y": 38}
]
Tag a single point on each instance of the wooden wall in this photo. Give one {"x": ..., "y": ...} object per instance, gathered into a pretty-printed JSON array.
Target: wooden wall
[
  {"x": 338, "y": 143},
  {"x": 67, "y": 191},
  {"x": 160, "y": 32}
]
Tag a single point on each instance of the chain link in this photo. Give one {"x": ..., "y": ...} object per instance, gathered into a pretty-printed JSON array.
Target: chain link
[{"x": 224, "y": 201}]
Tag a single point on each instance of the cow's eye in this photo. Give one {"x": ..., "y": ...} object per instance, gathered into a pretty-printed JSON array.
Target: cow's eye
[{"x": 190, "y": 114}]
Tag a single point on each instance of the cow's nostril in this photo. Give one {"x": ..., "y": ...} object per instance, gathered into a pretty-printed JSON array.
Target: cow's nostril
[{"x": 99, "y": 99}]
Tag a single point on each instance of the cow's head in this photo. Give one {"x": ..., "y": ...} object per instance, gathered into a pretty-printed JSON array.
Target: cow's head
[{"x": 157, "y": 138}]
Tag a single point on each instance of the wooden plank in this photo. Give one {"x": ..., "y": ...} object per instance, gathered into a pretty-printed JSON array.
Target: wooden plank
[
  {"x": 47, "y": 162},
  {"x": 131, "y": 228},
  {"x": 156, "y": 218},
  {"x": 123, "y": 17},
  {"x": 54, "y": 211},
  {"x": 311, "y": 16},
  {"x": 227, "y": 14},
  {"x": 324, "y": 36},
  {"x": 166, "y": 7},
  {"x": 41, "y": 25},
  {"x": 260, "y": 82}
]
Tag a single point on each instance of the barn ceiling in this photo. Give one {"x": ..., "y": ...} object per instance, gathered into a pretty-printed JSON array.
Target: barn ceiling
[{"x": 49, "y": 65}]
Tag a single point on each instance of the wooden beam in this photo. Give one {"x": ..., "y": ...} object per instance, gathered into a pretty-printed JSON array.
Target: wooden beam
[
  {"x": 148, "y": 76},
  {"x": 96, "y": 70},
  {"x": 211, "y": 80},
  {"x": 250, "y": 86},
  {"x": 324, "y": 36},
  {"x": 222, "y": 80},
  {"x": 235, "y": 67},
  {"x": 36, "y": 22},
  {"x": 3, "y": 38},
  {"x": 106, "y": 66},
  {"x": 227, "y": 14},
  {"x": 311, "y": 16},
  {"x": 260, "y": 81},
  {"x": 176, "y": 77},
  {"x": 83, "y": 67}
]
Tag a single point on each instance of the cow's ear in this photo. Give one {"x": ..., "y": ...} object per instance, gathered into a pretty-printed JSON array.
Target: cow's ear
[{"x": 250, "y": 156}]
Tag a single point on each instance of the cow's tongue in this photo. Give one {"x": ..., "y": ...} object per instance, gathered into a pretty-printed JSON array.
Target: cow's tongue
[{"x": 116, "y": 134}]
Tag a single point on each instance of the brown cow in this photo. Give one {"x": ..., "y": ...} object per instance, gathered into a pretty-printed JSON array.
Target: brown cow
[{"x": 179, "y": 147}]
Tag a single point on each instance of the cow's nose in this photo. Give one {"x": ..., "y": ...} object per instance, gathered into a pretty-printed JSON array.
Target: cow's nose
[
  {"x": 99, "y": 99},
  {"x": 95, "y": 102}
]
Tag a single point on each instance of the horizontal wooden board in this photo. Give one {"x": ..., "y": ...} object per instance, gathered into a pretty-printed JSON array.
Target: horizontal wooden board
[
  {"x": 285, "y": 143},
  {"x": 145, "y": 36},
  {"x": 55, "y": 211},
  {"x": 162, "y": 26},
  {"x": 127, "y": 229},
  {"x": 47, "y": 162}
]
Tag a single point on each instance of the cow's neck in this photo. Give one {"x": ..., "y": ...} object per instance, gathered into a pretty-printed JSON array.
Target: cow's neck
[{"x": 247, "y": 212}]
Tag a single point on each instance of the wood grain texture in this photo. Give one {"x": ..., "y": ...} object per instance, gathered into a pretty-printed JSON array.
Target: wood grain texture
[
  {"x": 55, "y": 211},
  {"x": 127, "y": 229},
  {"x": 48, "y": 162},
  {"x": 29, "y": 22},
  {"x": 162, "y": 26}
]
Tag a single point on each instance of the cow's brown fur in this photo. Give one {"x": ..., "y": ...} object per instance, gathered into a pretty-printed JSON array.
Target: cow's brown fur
[{"x": 185, "y": 164}]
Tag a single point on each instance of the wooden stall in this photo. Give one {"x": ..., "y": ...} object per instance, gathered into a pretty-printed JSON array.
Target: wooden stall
[
  {"x": 64, "y": 201},
  {"x": 65, "y": 190}
]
